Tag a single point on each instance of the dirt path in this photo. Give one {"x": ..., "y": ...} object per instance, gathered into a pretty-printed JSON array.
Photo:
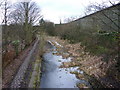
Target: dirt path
[
  {"x": 10, "y": 71},
  {"x": 22, "y": 70}
]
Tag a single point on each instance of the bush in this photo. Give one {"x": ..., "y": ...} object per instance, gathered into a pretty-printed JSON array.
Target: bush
[{"x": 49, "y": 28}]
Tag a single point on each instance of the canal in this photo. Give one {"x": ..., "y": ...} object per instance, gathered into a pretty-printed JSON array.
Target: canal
[{"x": 52, "y": 75}]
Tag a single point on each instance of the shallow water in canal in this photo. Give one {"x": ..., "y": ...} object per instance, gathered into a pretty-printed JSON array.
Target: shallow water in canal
[{"x": 55, "y": 77}]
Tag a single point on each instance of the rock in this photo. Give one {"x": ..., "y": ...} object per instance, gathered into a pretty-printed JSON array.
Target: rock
[
  {"x": 66, "y": 64},
  {"x": 65, "y": 55},
  {"x": 59, "y": 60},
  {"x": 73, "y": 63},
  {"x": 82, "y": 85},
  {"x": 80, "y": 76},
  {"x": 59, "y": 76}
]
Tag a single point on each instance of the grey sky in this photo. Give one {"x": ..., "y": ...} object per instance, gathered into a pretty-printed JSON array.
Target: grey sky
[{"x": 54, "y": 10}]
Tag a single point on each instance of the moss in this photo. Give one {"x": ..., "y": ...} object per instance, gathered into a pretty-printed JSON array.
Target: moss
[{"x": 37, "y": 77}]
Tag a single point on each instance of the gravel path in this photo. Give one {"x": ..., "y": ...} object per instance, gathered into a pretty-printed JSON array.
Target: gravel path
[{"x": 21, "y": 72}]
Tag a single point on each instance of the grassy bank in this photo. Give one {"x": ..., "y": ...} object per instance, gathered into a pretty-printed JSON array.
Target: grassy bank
[
  {"x": 95, "y": 41},
  {"x": 36, "y": 73},
  {"x": 93, "y": 66}
]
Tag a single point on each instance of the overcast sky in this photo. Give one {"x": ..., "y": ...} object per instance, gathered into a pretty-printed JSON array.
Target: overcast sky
[{"x": 54, "y": 10}]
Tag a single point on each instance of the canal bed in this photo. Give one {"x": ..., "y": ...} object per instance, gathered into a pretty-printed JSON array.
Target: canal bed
[{"x": 55, "y": 77}]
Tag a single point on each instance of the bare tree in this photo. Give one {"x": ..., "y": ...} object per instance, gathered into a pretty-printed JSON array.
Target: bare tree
[
  {"x": 6, "y": 7},
  {"x": 70, "y": 19},
  {"x": 114, "y": 2},
  {"x": 26, "y": 14},
  {"x": 94, "y": 7},
  {"x": 1, "y": 2}
]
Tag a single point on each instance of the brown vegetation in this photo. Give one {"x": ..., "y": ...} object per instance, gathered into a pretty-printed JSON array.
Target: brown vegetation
[
  {"x": 92, "y": 65},
  {"x": 8, "y": 56}
]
